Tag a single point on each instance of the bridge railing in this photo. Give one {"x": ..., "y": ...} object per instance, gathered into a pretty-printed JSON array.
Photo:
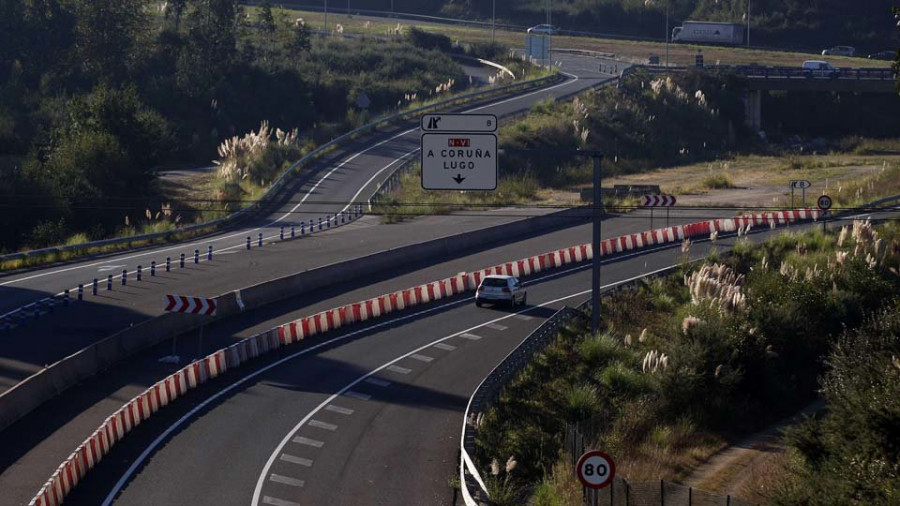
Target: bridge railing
[{"x": 763, "y": 72}]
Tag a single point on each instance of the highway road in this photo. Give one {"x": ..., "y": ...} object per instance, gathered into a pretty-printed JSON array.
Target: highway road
[
  {"x": 369, "y": 415},
  {"x": 34, "y": 446},
  {"x": 331, "y": 185}
]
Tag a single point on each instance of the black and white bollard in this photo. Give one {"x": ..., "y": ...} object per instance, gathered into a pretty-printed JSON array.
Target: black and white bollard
[
  {"x": 181, "y": 262},
  {"x": 153, "y": 268},
  {"x": 209, "y": 252},
  {"x": 302, "y": 229},
  {"x": 80, "y": 291},
  {"x": 66, "y": 298},
  {"x": 259, "y": 240},
  {"x": 124, "y": 277},
  {"x": 281, "y": 234},
  {"x": 320, "y": 224},
  {"x": 328, "y": 221},
  {"x": 342, "y": 217},
  {"x": 248, "y": 243},
  {"x": 95, "y": 286},
  {"x": 311, "y": 226},
  {"x": 109, "y": 283},
  {"x": 293, "y": 232},
  {"x": 140, "y": 273},
  {"x": 196, "y": 256}
]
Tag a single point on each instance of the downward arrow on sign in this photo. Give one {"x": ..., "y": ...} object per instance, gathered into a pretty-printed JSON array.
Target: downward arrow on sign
[{"x": 459, "y": 179}]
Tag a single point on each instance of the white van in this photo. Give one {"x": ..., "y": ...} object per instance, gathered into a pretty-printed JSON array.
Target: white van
[{"x": 818, "y": 68}]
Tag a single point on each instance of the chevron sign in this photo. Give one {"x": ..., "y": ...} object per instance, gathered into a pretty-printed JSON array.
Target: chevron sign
[
  {"x": 659, "y": 200},
  {"x": 192, "y": 305}
]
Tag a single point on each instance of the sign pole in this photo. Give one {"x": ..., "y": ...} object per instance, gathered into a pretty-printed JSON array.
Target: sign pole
[
  {"x": 651, "y": 218},
  {"x": 804, "y": 198},
  {"x": 667, "y": 216},
  {"x": 595, "y": 245},
  {"x": 200, "y": 342},
  {"x": 792, "y": 197}
]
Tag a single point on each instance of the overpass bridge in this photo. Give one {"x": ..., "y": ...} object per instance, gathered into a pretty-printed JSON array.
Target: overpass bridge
[{"x": 761, "y": 79}]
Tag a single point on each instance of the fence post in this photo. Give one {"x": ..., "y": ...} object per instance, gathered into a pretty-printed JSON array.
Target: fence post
[
  {"x": 627, "y": 492},
  {"x": 662, "y": 493},
  {"x": 690, "y": 496}
]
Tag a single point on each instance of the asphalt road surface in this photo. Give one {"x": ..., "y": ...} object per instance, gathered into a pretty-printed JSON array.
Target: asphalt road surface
[{"x": 332, "y": 184}]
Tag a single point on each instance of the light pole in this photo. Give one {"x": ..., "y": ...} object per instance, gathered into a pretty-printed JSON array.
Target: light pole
[
  {"x": 668, "y": 3},
  {"x": 493, "y": 17},
  {"x": 748, "y": 24}
]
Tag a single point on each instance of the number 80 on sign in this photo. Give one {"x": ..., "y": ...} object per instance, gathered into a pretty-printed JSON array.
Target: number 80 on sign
[{"x": 595, "y": 469}]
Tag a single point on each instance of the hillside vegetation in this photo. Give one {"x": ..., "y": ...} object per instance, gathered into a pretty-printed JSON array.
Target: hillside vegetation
[
  {"x": 799, "y": 23},
  {"x": 95, "y": 96}
]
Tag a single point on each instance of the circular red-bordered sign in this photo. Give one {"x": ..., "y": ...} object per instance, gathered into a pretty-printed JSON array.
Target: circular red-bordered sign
[
  {"x": 595, "y": 469},
  {"x": 824, "y": 202}
]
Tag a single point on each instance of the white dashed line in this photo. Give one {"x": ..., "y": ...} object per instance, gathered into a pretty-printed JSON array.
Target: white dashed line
[
  {"x": 286, "y": 480},
  {"x": 495, "y": 326},
  {"x": 470, "y": 337},
  {"x": 322, "y": 425},
  {"x": 421, "y": 358},
  {"x": 445, "y": 346},
  {"x": 300, "y": 440},
  {"x": 523, "y": 317},
  {"x": 357, "y": 395},
  {"x": 397, "y": 369},
  {"x": 378, "y": 382},
  {"x": 278, "y": 502},
  {"x": 338, "y": 409},
  {"x": 296, "y": 460}
]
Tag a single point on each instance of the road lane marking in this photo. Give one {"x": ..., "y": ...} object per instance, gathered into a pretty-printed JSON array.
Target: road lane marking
[
  {"x": 322, "y": 425},
  {"x": 357, "y": 395},
  {"x": 338, "y": 409},
  {"x": 495, "y": 326},
  {"x": 445, "y": 347},
  {"x": 300, "y": 440},
  {"x": 524, "y": 317},
  {"x": 296, "y": 460},
  {"x": 421, "y": 358},
  {"x": 470, "y": 337},
  {"x": 378, "y": 382},
  {"x": 273, "y": 501},
  {"x": 286, "y": 480},
  {"x": 257, "y": 494},
  {"x": 399, "y": 370}
]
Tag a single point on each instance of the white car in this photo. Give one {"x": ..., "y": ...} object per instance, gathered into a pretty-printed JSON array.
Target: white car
[
  {"x": 544, "y": 29},
  {"x": 501, "y": 289},
  {"x": 839, "y": 51}
]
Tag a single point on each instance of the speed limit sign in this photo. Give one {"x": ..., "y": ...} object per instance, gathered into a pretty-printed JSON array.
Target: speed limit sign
[
  {"x": 824, "y": 202},
  {"x": 595, "y": 469}
]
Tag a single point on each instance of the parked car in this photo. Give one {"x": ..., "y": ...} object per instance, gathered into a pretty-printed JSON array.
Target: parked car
[
  {"x": 818, "y": 68},
  {"x": 501, "y": 289},
  {"x": 839, "y": 51},
  {"x": 544, "y": 29},
  {"x": 883, "y": 55}
]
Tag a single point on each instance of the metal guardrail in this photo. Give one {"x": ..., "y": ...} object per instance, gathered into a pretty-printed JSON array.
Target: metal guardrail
[
  {"x": 278, "y": 185},
  {"x": 762, "y": 72}
]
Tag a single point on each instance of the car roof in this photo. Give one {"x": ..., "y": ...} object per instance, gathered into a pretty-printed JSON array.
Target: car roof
[
  {"x": 497, "y": 276},
  {"x": 816, "y": 62}
]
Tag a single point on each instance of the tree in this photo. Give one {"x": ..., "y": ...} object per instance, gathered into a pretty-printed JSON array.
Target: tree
[
  {"x": 108, "y": 34},
  {"x": 266, "y": 19},
  {"x": 211, "y": 49},
  {"x": 175, "y": 11},
  {"x": 300, "y": 39}
]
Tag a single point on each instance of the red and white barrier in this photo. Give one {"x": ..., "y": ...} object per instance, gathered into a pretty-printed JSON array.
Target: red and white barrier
[{"x": 169, "y": 389}]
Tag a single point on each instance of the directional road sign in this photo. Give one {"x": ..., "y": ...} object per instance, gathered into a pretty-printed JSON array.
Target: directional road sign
[
  {"x": 192, "y": 305},
  {"x": 824, "y": 202},
  {"x": 800, "y": 184},
  {"x": 595, "y": 469},
  {"x": 459, "y": 161},
  {"x": 459, "y": 123},
  {"x": 659, "y": 200}
]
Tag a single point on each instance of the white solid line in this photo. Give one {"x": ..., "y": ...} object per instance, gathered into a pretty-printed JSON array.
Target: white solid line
[
  {"x": 378, "y": 382},
  {"x": 286, "y": 480},
  {"x": 296, "y": 460},
  {"x": 139, "y": 461},
  {"x": 470, "y": 337},
  {"x": 397, "y": 369},
  {"x": 357, "y": 395},
  {"x": 338, "y": 409},
  {"x": 300, "y": 440},
  {"x": 322, "y": 425},
  {"x": 421, "y": 358},
  {"x": 445, "y": 347},
  {"x": 495, "y": 326},
  {"x": 278, "y": 502}
]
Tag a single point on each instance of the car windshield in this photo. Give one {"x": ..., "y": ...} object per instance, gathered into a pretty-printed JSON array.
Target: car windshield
[{"x": 494, "y": 282}]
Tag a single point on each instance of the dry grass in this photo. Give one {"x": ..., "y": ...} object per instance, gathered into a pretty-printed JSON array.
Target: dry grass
[
  {"x": 636, "y": 51},
  {"x": 760, "y": 484}
]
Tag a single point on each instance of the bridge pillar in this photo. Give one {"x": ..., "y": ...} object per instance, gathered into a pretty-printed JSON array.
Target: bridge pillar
[{"x": 753, "y": 109}]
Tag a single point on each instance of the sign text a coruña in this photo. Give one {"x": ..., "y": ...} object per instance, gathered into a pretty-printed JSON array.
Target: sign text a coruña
[{"x": 459, "y": 154}]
